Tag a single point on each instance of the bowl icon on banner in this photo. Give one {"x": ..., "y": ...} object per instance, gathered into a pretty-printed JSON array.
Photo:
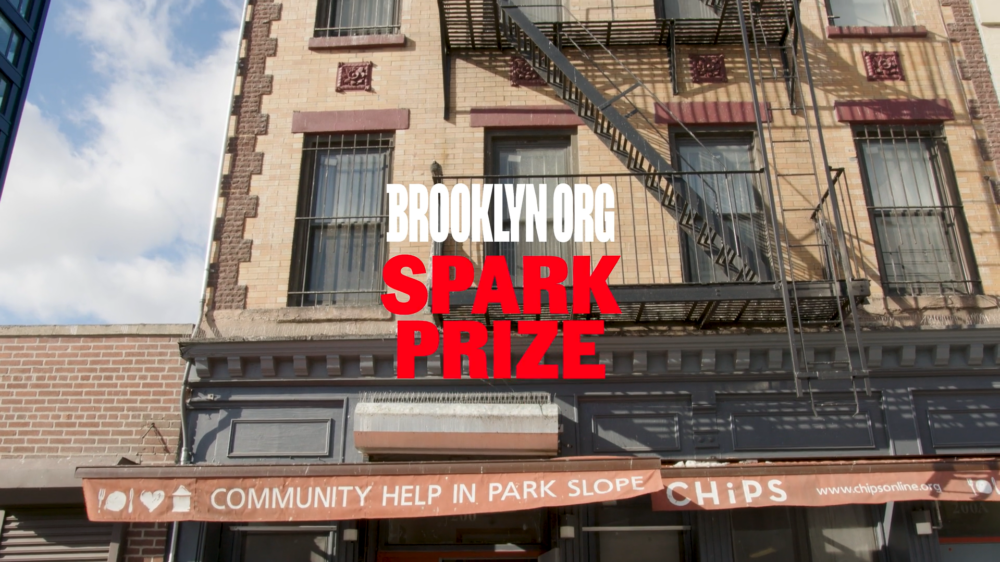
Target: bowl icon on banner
[{"x": 116, "y": 501}]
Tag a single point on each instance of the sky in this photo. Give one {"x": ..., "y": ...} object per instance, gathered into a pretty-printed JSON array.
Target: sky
[{"x": 106, "y": 209}]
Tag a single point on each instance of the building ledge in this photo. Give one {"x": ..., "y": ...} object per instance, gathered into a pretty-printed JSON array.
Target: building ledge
[
  {"x": 357, "y": 42},
  {"x": 880, "y": 32}
]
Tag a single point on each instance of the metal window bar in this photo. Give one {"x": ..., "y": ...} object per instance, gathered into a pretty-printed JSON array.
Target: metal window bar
[
  {"x": 918, "y": 221},
  {"x": 342, "y": 18},
  {"x": 341, "y": 221}
]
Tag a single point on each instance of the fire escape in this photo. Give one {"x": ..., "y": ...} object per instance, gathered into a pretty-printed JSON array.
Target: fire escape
[{"x": 581, "y": 61}]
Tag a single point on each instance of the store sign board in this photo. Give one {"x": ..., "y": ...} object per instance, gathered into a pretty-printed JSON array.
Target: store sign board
[
  {"x": 321, "y": 498},
  {"x": 815, "y": 490}
]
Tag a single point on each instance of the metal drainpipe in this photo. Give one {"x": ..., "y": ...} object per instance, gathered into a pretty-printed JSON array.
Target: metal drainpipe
[{"x": 184, "y": 458}]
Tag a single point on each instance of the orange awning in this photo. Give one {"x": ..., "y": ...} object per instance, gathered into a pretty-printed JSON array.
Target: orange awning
[
  {"x": 689, "y": 486},
  {"x": 359, "y": 491}
]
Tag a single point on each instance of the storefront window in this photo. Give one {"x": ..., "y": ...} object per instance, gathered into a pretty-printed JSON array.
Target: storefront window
[
  {"x": 630, "y": 531},
  {"x": 970, "y": 520},
  {"x": 517, "y": 527},
  {"x": 970, "y": 532},
  {"x": 844, "y": 533},
  {"x": 764, "y": 535},
  {"x": 292, "y": 547}
]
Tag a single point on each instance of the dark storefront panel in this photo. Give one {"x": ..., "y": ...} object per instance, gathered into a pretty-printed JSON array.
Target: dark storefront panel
[{"x": 958, "y": 422}]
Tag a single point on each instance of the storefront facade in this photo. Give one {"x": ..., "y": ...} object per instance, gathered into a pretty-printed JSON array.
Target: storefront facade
[
  {"x": 806, "y": 273},
  {"x": 894, "y": 475}
]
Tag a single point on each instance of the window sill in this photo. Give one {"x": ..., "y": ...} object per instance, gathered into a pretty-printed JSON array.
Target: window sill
[
  {"x": 357, "y": 42},
  {"x": 859, "y": 32}
]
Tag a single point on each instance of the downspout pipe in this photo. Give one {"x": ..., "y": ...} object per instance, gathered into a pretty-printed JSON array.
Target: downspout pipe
[{"x": 185, "y": 457}]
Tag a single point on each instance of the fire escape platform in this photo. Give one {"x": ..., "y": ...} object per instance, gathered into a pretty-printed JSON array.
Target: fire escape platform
[
  {"x": 817, "y": 303},
  {"x": 473, "y": 25}
]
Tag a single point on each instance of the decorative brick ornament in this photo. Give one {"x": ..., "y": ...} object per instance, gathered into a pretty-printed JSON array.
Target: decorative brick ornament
[
  {"x": 521, "y": 73},
  {"x": 354, "y": 76},
  {"x": 708, "y": 69},
  {"x": 883, "y": 67}
]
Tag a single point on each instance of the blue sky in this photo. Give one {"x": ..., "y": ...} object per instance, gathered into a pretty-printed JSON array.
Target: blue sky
[{"x": 106, "y": 209}]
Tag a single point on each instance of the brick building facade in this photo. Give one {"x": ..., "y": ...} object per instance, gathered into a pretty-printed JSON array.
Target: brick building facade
[
  {"x": 807, "y": 229},
  {"x": 74, "y": 396}
]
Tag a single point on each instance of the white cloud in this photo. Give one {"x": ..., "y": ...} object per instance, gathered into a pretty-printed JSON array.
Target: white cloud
[{"x": 115, "y": 228}]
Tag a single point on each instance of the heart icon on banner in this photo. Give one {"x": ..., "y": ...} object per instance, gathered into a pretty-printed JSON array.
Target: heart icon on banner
[{"x": 152, "y": 499}]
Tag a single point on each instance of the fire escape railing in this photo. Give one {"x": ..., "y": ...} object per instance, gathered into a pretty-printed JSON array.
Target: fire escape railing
[{"x": 653, "y": 281}]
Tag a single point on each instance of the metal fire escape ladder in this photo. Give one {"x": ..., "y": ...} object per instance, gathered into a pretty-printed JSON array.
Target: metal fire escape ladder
[
  {"x": 615, "y": 130},
  {"x": 842, "y": 365}
]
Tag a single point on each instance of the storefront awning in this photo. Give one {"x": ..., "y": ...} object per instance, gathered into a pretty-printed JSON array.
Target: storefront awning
[
  {"x": 358, "y": 491},
  {"x": 694, "y": 486}
]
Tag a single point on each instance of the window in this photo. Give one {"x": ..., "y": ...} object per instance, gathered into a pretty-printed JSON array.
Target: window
[
  {"x": 844, "y": 533},
  {"x": 258, "y": 542},
  {"x": 4, "y": 86},
  {"x": 542, "y": 10},
  {"x": 509, "y": 527},
  {"x": 290, "y": 546},
  {"x": 535, "y": 160},
  {"x": 341, "y": 220},
  {"x": 729, "y": 202},
  {"x": 23, "y": 6},
  {"x": 630, "y": 531},
  {"x": 692, "y": 9},
  {"x": 867, "y": 13},
  {"x": 918, "y": 222},
  {"x": 341, "y": 18},
  {"x": 10, "y": 41}
]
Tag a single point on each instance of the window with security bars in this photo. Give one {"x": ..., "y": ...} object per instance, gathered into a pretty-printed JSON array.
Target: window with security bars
[
  {"x": 341, "y": 220},
  {"x": 920, "y": 232},
  {"x": 341, "y": 18},
  {"x": 719, "y": 181}
]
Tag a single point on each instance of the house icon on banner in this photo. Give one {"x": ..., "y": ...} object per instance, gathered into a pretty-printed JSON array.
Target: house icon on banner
[{"x": 182, "y": 500}]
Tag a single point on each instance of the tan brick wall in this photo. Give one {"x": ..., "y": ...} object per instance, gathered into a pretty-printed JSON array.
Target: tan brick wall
[{"x": 411, "y": 77}]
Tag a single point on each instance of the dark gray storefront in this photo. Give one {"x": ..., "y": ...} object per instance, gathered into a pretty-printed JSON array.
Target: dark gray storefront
[{"x": 684, "y": 399}]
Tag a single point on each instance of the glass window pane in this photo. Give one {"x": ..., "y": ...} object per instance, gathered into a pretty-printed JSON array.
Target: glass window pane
[
  {"x": 842, "y": 533},
  {"x": 640, "y": 546},
  {"x": 23, "y": 6},
  {"x": 731, "y": 204},
  {"x": 528, "y": 161},
  {"x": 763, "y": 535},
  {"x": 541, "y": 10},
  {"x": 862, "y": 12},
  {"x": 288, "y": 547},
  {"x": 970, "y": 519},
  {"x": 515, "y": 527},
  {"x": 689, "y": 9}
]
